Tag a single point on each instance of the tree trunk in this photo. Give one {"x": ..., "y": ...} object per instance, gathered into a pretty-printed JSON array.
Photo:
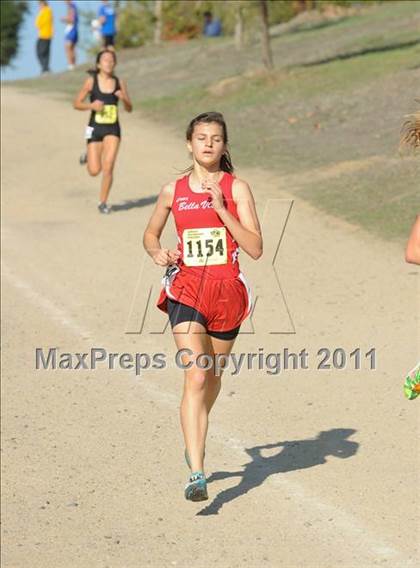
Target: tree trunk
[
  {"x": 239, "y": 26},
  {"x": 158, "y": 22},
  {"x": 265, "y": 36}
]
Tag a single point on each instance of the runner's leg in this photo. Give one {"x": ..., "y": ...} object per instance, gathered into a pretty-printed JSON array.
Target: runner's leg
[
  {"x": 67, "y": 46},
  {"x": 220, "y": 347},
  {"x": 110, "y": 149},
  {"x": 94, "y": 157},
  {"x": 72, "y": 54},
  {"x": 193, "y": 411}
]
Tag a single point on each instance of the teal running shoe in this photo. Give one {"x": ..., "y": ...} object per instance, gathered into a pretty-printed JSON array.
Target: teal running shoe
[{"x": 196, "y": 488}]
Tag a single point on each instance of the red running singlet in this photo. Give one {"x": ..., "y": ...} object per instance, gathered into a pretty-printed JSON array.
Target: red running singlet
[{"x": 207, "y": 276}]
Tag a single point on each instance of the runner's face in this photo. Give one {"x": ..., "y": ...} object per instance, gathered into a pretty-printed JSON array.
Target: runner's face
[
  {"x": 206, "y": 144},
  {"x": 106, "y": 63}
]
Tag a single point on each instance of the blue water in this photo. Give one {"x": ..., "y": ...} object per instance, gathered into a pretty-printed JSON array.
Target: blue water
[{"x": 26, "y": 64}]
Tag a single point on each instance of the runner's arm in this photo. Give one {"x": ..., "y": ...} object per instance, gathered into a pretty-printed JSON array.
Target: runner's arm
[
  {"x": 157, "y": 222},
  {"x": 101, "y": 15},
  {"x": 412, "y": 251},
  {"x": 246, "y": 231},
  {"x": 78, "y": 103},
  {"x": 69, "y": 18},
  {"x": 124, "y": 96}
]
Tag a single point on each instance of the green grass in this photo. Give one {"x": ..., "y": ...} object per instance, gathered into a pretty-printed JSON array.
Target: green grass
[
  {"x": 339, "y": 92},
  {"x": 377, "y": 198}
]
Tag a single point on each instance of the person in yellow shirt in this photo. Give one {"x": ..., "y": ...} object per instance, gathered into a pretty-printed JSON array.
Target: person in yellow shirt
[{"x": 44, "y": 23}]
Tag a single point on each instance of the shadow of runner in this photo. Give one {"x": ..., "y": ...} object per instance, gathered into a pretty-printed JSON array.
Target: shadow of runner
[
  {"x": 297, "y": 454},
  {"x": 132, "y": 203}
]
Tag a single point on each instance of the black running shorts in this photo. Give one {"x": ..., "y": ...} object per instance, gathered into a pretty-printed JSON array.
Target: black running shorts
[
  {"x": 98, "y": 132},
  {"x": 109, "y": 40},
  {"x": 179, "y": 313}
]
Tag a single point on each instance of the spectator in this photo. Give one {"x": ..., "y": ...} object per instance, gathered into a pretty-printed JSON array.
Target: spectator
[
  {"x": 212, "y": 27},
  {"x": 44, "y": 23},
  {"x": 71, "y": 33},
  {"x": 107, "y": 18}
]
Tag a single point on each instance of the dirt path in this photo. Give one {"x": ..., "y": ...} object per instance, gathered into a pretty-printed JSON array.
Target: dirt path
[{"x": 93, "y": 470}]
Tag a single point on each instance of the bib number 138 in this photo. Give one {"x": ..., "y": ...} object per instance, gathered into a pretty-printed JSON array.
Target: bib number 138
[{"x": 204, "y": 247}]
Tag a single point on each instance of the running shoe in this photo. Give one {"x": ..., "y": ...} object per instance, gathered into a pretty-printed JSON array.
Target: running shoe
[
  {"x": 103, "y": 208},
  {"x": 83, "y": 159},
  {"x": 412, "y": 383},
  {"x": 196, "y": 488}
]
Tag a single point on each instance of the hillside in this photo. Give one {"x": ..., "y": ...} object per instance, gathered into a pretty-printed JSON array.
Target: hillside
[{"x": 327, "y": 120}]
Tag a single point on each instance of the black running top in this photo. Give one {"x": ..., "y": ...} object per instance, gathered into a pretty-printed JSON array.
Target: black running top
[{"x": 106, "y": 98}]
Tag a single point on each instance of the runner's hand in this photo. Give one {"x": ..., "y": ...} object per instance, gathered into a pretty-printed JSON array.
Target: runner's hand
[
  {"x": 216, "y": 193},
  {"x": 174, "y": 255},
  {"x": 97, "y": 106},
  {"x": 161, "y": 257}
]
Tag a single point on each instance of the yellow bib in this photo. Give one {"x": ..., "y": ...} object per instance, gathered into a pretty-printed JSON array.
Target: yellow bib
[{"x": 108, "y": 115}]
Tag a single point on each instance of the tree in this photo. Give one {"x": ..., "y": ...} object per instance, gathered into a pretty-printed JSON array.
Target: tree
[
  {"x": 265, "y": 35},
  {"x": 12, "y": 13},
  {"x": 158, "y": 22},
  {"x": 239, "y": 25}
]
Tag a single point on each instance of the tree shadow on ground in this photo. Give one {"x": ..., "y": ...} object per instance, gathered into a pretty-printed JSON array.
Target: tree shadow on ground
[
  {"x": 294, "y": 455},
  {"x": 361, "y": 52},
  {"x": 303, "y": 27},
  {"x": 133, "y": 203}
]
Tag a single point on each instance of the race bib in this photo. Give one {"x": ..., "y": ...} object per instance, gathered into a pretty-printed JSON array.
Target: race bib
[
  {"x": 89, "y": 132},
  {"x": 204, "y": 247},
  {"x": 108, "y": 115}
]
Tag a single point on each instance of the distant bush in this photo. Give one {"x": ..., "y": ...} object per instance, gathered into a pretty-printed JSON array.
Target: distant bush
[
  {"x": 183, "y": 19},
  {"x": 135, "y": 23},
  {"x": 12, "y": 13}
]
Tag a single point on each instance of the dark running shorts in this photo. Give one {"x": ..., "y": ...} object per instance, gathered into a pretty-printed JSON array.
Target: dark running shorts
[
  {"x": 179, "y": 313},
  {"x": 98, "y": 132},
  {"x": 108, "y": 40}
]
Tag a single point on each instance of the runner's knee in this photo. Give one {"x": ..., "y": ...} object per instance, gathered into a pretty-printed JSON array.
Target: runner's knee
[
  {"x": 195, "y": 380},
  {"x": 94, "y": 170}
]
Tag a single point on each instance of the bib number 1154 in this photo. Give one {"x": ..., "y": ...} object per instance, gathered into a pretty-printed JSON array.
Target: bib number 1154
[{"x": 204, "y": 247}]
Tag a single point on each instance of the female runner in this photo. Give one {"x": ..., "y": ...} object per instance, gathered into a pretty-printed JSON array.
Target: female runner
[
  {"x": 103, "y": 133},
  {"x": 204, "y": 292}
]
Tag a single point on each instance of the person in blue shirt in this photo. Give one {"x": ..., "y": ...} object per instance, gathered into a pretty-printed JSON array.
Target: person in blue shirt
[
  {"x": 71, "y": 32},
  {"x": 107, "y": 18},
  {"x": 212, "y": 27}
]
